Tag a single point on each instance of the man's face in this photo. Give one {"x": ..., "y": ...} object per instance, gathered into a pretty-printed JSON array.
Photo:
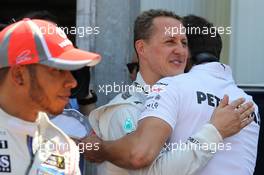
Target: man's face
[
  {"x": 50, "y": 88},
  {"x": 166, "y": 54}
]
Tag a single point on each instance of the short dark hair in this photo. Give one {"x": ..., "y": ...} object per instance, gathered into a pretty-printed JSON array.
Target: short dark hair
[
  {"x": 202, "y": 42},
  {"x": 143, "y": 26},
  {"x": 2, "y": 26},
  {"x": 3, "y": 74},
  {"x": 32, "y": 70},
  {"x": 4, "y": 71},
  {"x": 42, "y": 14}
]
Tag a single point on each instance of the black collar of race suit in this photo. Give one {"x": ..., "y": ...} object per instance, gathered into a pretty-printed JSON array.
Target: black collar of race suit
[{"x": 204, "y": 58}]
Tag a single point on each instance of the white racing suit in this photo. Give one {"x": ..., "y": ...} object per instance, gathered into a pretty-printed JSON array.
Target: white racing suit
[
  {"x": 120, "y": 116},
  {"x": 28, "y": 148}
]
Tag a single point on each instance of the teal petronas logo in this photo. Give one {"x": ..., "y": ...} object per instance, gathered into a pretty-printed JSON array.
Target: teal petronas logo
[{"x": 129, "y": 126}]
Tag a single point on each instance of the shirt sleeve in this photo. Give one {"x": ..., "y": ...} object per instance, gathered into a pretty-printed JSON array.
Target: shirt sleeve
[
  {"x": 185, "y": 161},
  {"x": 123, "y": 121},
  {"x": 163, "y": 103}
]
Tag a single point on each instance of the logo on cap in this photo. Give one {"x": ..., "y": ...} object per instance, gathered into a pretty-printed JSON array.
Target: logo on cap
[
  {"x": 25, "y": 55},
  {"x": 60, "y": 32}
]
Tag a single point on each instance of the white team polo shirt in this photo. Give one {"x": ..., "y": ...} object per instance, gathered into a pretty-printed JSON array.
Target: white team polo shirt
[{"x": 186, "y": 102}]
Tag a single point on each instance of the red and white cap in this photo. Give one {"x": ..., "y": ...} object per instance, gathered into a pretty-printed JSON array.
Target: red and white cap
[{"x": 39, "y": 41}]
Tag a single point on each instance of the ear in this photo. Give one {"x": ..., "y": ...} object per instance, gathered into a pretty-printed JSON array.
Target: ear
[
  {"x": 18, "y": 75},
  {"x": 140, "y": 47}
]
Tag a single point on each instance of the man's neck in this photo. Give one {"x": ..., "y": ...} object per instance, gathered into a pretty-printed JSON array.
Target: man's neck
[
  {"x": 23, "y": 111},
  {"x": 149, "y": 77}
]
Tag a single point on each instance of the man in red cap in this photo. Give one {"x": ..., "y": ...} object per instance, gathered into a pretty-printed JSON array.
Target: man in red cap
[{"x": 36, "y": 58}]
